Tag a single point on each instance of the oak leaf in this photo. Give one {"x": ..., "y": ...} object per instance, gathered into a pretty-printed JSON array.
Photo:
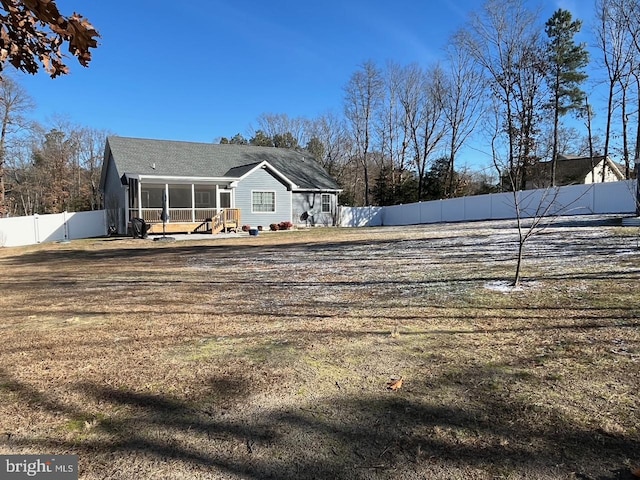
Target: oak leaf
[{"x": 394, "y": 384}]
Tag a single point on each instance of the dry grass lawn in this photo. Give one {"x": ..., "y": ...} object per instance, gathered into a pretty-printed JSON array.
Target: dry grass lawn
[{"x": 269, "y": 356}]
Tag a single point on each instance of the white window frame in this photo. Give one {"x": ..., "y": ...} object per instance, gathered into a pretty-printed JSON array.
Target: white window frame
[
  {"x": 322, "y": 204},
  {"x": 253, "y": 210}
]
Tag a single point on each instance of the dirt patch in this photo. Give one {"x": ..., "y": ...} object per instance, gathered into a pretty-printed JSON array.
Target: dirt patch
[{"x": 269, "y": 356}]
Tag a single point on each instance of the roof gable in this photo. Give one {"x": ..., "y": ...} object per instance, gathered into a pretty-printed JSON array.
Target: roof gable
[
  {"x": 573, "y": 169},
  {"x": 136, "y": 156}
]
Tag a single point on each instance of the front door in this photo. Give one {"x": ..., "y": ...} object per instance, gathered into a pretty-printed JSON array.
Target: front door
[{"x": 226, "y": 199}]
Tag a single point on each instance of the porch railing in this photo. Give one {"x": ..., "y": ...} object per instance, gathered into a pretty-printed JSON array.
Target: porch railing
[
  {"x": 152, "y": 215},
  {"x": 224, "y": 217},
  {"x": 227, "y": 218}
]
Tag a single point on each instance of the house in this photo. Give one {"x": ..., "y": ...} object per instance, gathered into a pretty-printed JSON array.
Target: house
[
  {"x": 574, "y": 170},
  {"x": 210, "y": 187}
]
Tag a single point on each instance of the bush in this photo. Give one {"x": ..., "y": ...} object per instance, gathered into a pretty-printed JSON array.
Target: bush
[
  {"x": 246, "y": 228},
  {"x": 274, "y": 227},
  {"x": 285, "y": 225},
  {"x": 259, "y": 228}
]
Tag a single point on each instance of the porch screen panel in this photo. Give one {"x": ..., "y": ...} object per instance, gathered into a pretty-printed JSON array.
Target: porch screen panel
[
  {"x": 152, "y": 196},
  {"x": 180, "y": 196},
  {"x": 205, "y": 196}
]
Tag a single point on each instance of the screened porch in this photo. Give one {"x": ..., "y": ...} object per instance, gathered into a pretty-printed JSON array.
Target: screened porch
[{"x": 191, "y": 207}]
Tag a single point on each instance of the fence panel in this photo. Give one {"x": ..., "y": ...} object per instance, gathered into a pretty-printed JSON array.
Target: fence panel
[
  {"x": 477, "y": 208},
  {"x": 360, "y": 216},
  {"x": 87, "y": 224},
  {"x": 453, "y": 210},
  {"x": 51, "y": 228},
  {"x": 611, "y": 197},
  {"x": 431, "y": 212},
  {"x": 29, "y": 230},
  {"x": 600, "y": 198},
  {"x": 402, "y": 214},
  {"x": 16, "y": 231},
  {"x": 502, "y": 206}
]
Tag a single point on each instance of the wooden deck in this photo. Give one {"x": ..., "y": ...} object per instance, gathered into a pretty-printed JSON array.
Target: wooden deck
[
  {"x": 177, "y": 227},
  {"x": 226, "y": 220}
]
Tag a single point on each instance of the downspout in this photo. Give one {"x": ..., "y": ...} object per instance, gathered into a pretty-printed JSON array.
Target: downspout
[
  {"x": 290, "y": 190},
  {"x": 122, "y": 222}
]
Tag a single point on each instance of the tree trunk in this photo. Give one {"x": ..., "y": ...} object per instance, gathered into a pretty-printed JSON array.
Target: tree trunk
[{"x": 516, "y": 278}]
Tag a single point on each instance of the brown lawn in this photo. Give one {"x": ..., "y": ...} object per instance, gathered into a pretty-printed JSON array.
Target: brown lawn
[{"x": 269, "y": 356}]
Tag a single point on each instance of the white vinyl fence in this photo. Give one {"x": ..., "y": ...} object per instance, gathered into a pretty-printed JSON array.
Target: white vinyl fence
[
  {"x": 16, "y": 231},
  {"x": 599, "y": 198}
]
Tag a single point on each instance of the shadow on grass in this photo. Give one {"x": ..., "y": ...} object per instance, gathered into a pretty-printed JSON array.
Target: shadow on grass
[{"x": 485, "y": 432}]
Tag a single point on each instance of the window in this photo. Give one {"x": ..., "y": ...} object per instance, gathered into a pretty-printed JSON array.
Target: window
[
  {"x": 263, "y": 202},
  {"x": 326, "y": 203}
]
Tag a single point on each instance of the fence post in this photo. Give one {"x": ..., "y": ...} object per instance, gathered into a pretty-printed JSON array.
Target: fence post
[
  {"x": 36, "y": 229},
  {"x": 65, "y": 226}
]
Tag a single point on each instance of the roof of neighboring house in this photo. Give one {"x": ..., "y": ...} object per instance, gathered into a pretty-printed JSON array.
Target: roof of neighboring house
[
  {"x": 138, "y": 156},
  {"x": 572, "y": 169}
]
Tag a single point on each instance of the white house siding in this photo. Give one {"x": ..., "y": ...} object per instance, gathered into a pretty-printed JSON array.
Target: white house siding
[
  {"x": 609, "y": 176},
  {"x": 311, "y": 204},
  {"x": 262, "y": 181}
]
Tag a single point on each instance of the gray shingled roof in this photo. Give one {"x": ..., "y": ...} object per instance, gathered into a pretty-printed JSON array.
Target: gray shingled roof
[
  {"x": 571, "y": 169},
  {"x": 172, "y": 158}
]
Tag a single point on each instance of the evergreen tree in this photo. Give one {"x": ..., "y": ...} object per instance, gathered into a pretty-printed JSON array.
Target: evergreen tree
[
  {"x": 261, "y": 139},
  {"x": 566, "y": 61}
]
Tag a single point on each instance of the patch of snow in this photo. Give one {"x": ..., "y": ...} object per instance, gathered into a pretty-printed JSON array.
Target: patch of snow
[
  {"x": 505, "y": 286},
  {"x": 502, "y": 286}
]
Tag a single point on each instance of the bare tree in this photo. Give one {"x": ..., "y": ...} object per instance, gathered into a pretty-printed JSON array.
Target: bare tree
[
  {"x": 462, "y": 103},
  {"x": 505, "y": 41},
  {"x": 387, "y": 119},
  {"x": 613, "y": 41},
  {"x": 431, "y": 129},
  {"x": 630, "y": 11},
  {"x": 363, "y": 94},
  {"x": 275, "y": 125},
  {"x": 14, "y": 103},
  {"x": 91, "y": 143},
  {"x": 535, "y": 210},
  {"x": 331, "y": 145}
]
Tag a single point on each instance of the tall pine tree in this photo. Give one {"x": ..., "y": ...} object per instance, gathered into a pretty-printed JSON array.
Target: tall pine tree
[{"x": 566, "y": 63}]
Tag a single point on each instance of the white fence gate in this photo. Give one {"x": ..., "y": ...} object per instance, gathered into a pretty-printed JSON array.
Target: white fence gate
[
  {"x": 598, "y": 198},
  {"x": 16, "y": 231}
]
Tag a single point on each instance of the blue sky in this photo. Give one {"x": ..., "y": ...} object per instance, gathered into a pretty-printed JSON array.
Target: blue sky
[{"x": 196, "y": 70}]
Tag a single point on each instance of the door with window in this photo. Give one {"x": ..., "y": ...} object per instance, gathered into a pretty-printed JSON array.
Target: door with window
[{"x": 226, "y": 198}]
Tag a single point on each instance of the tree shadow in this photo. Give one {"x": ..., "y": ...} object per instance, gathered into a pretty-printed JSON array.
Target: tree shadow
[{"x": 346, "y": 434}]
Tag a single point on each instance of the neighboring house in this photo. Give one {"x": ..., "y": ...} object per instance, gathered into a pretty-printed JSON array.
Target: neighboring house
[
  {"x": 211, "y": 187},
  {"x": 573, "y": 170}
]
